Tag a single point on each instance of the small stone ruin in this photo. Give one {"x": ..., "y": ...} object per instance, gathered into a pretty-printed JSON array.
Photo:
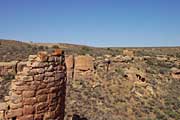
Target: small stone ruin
[{"x": 37, "y": 90}]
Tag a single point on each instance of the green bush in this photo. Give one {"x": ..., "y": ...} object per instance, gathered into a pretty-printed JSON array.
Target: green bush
[
  {"x": 41, "y": 48},
  {"x": 55, "y": 46}
]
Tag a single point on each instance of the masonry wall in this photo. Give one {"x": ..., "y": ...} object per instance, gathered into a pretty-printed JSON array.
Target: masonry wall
[{"x": 38, "y": 90}]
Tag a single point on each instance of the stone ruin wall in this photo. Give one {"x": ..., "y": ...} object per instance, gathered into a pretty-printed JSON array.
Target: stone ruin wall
[
  {"x": 79, "y": 66},
  {"x": 38, "y": 90}
]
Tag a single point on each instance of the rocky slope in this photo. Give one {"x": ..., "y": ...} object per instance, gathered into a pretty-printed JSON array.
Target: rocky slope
[{"x": 134, "y": 88}]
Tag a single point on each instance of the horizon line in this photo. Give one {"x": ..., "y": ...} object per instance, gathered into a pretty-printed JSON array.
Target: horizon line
[{"x": 46, "y": 42}]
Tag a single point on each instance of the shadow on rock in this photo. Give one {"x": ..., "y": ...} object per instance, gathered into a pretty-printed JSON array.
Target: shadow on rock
[{"x": 77, "y": 117}]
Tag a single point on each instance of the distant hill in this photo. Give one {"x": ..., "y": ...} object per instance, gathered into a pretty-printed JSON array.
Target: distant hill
[{"x": 16, "y": 50}]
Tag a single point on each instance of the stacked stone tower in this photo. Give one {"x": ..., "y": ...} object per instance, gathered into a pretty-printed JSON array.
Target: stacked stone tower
[{"x": 38, "y": 90}]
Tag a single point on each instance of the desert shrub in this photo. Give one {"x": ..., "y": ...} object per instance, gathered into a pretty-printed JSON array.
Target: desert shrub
[
  {"x": 85, "y": 50},
  {"x": 55, "y": 46},
  {"x": 177, "y": 55},
  {"x": 41, "y": 48},
  {"x": 120, "y": 71},
  {"x": 108, "y": 48},
  {"x": 171, "y": 113},
  {"x": 29, "y": 46},
  {"x": 46, "y": 47},
  {"x": 163, "y": 70}
]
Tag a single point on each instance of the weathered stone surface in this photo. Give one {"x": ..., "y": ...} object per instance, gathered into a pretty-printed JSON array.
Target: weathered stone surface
[
  {"x": 42, "y": 91},
  {"x": 38, "y": 116},
  {"x": 41, "y": 107},
  {"x": 28, "y": 109},
  {"x": 49, "y": 74},
  {"x": 16, "y": 106},
  {"x": 28, "y": 94},
  {"x": 20, "y": 66},
  {"x": 34, "y": 93},
  {"x": 70, "y": 62},
  {"x": 39, "y": 77},
  {"x": 26, "y": 117},
  {"x": 3, "y": 106},
  {"x": 42, "y": 56},
  {"x": 175, "y": 73},
  {"x": 42, "y": 98},
  {"x": 59, "y": 75},
  {"x": 15, "y": 113},
  {"x": 29, "y": 101},
  {"x": 84, "y": 63},
  {"x": 37, "y": 64},
  {"x": 128, "y": 53}
]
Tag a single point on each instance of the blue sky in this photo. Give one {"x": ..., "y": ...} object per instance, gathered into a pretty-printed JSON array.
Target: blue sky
[{"x": 92, "y": 22}]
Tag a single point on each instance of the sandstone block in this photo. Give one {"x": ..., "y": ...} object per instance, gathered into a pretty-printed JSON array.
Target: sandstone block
[
  {"x": 50, "y": 115},
  {"x": 28, "y": 94},
  {"x": 29, "y": 101},
  {"x": 20, "y": 66},
  {"x": 53, "y": 89},
  {"x": 15, "y": 113},
  {"x": 52, "y": 97},
  {"x": 39, "y": 77},
  {"x": 42, "y": 91},
  {"x": 26, "y": 117},
  {"x": 49, "y": 74},
  {"x": 51, "y": 84},
  {"x": 26, "y": 78},
  {"x": 59, "y": 75},
  {"x": 3, "y": 106},
  {"x": 49, "y": 79},
  {"x": 41, "y": 86},
  {"x": 38, "y": 116},
  {"x": 28, "y": 109},
  {"x": 15, "y": 106},
  {"x": 128, "y": 53},
  {"x": 50, "y": 68},
  {"x": 42, "y": 98},
  {"x": 84, "y": 63},
  {"x": 42, "y": 56},
  {"x": 39, "y": 64},
  {"x": 41, "y": 107},
  {"x": 16, "y": 99},
  {"x": 40, "y": 70}
]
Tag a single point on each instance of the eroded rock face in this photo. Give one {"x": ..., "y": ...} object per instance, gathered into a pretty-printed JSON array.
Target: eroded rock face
[
  {"x": 134, "y": 74},
  {"x": 175, "y": 73}
]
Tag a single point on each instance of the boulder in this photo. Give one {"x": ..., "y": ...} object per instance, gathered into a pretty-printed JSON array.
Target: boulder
[{"x": 128, "y": 53}]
